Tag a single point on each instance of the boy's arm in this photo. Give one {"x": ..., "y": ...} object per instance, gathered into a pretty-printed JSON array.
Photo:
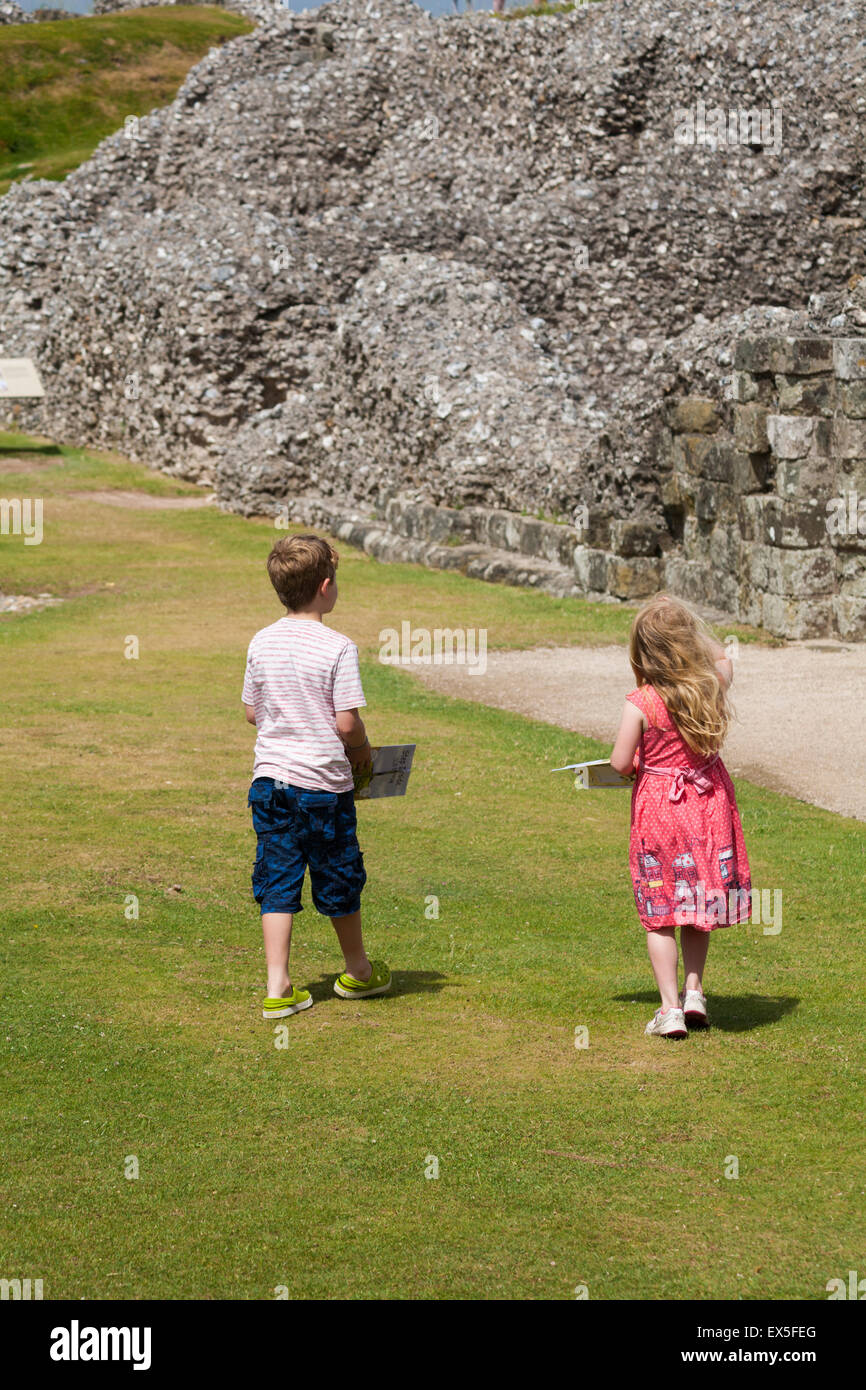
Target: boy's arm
[
  {"x": 350, "y": 727},
  {"x": 249, "y": 690},
  {"x": 627, "y": 740}
]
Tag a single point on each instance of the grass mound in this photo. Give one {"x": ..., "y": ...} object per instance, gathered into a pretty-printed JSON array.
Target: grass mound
[{"x": 66, "y": 84}]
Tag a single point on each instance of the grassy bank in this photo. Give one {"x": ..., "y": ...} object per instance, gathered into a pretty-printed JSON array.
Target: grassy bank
[{"x": 66, "y": 84}]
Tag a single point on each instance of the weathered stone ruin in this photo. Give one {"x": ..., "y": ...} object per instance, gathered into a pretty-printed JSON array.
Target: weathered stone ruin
[
  {"x": 12, "y": 13},
  {"x": 463, "y": 291},
  {"x": 252, "y": 9}
]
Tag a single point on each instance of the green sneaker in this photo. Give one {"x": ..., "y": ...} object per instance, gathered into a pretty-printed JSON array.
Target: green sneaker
[
  {"x": 379, "y": 983},
  {"x": 292, "y": 1004}
]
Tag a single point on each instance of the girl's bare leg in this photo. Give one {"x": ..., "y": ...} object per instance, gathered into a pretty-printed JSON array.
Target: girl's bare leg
[
  {"x": 662, "y": 945},
  {"x": 695, "y": 946}
]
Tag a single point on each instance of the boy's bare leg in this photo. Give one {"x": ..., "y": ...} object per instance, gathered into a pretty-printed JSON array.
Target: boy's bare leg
[
  {"x": 277, "y": 931},
  {"x": 662, "y": 945},
  {"x": 351, "y": 941},
  {"x": 695, "y": 946}
]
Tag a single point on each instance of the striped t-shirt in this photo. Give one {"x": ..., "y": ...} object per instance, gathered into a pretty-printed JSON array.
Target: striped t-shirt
[{"x": 299, "y": 674}]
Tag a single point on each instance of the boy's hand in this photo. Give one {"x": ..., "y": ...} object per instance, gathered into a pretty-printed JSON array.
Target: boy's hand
[{"x": 361, "y": 757}]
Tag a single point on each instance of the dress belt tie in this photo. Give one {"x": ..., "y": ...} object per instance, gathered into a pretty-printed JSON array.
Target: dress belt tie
[{"x": 698, "y": 777}]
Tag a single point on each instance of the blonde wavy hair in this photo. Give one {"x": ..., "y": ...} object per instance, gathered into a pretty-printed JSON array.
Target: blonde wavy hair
[{"x": 671, "y": 649}]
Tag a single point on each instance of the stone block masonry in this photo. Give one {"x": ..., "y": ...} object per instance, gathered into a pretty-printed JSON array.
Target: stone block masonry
[{"x": 770, "y": 508}]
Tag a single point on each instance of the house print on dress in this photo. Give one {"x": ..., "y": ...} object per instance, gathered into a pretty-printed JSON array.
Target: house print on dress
[
  {"x": 685, "y": 879},
  {"x": 727, "y": 865},
  {"x": 649, "y": 888}
]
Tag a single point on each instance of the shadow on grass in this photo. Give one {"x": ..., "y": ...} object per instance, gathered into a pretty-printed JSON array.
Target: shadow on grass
[
  {"x": 731, "y": 1013},
  {"x": 402, "y": 982},
  {"x": 31, "y": 445}
]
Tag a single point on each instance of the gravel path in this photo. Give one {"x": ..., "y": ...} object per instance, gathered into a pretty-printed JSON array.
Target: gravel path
[
  {"x": 146, "y": 501},
  {"x": 800, "y": 708}
]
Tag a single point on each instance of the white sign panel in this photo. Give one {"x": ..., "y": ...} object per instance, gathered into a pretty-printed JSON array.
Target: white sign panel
[{"x": 19, "y": 377}]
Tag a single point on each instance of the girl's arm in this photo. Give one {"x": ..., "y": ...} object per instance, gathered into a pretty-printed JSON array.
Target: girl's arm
[
  {"x": 724, "y": 664},
  {"x": 631, "y": 727}
]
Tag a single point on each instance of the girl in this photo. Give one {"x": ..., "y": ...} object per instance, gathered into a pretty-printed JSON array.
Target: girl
[{"x": 687, "y": 856}]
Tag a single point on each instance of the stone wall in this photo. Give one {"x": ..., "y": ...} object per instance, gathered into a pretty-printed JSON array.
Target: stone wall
[
  {"x": 251, "y": 9},
  {"x": 446, "y": 282},
  {"x": 764, "y": 495},
  {"x": 12, "y": 13}
]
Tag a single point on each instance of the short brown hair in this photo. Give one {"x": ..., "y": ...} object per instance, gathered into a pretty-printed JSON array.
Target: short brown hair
[{"x": 298, "y": 565}]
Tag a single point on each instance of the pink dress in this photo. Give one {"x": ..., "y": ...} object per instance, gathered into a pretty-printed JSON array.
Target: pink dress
[{"x": 687, "y": 855}]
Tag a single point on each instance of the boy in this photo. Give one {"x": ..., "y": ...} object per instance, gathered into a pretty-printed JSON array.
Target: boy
[{"x": 302, "y": 691}]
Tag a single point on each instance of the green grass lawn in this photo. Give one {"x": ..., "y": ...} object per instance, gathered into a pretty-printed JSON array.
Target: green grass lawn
[
  {"x": 66, "y": 84},
  {"x": 534, "y": 11},
  {"x": 303, "y": 1166}
]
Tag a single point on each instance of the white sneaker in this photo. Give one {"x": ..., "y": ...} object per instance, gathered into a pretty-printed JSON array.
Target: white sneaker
[
  {"x": 694, "y": 1005},
  {"x": 670, "y": 1024}
]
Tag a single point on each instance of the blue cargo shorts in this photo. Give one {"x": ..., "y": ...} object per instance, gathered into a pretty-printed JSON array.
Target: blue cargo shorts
[{"x": 296, "y": 828}]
